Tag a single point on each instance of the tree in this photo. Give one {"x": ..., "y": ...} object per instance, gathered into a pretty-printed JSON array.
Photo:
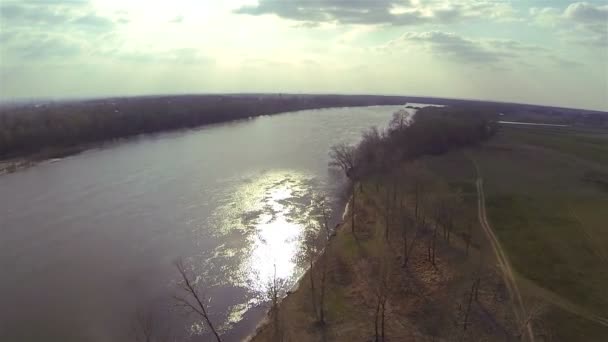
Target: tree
[
  {"x": 309, "y": 253},
  {"x": 275, "y": 290},
  {"x": 343, "y": 156},
  {"x": 406, "y": 223},
  {"x": 148, "y": 327},
  {"x": 381, "y": 292},
  {"x": 325, "y": 213},
  {"x": 420, "y": 227},
  {"x": 419, "y": 179},
  {"x": 399, "y": 121},
  {"x": 193, "y": 295},
  {"x": 387, "y": 213}
]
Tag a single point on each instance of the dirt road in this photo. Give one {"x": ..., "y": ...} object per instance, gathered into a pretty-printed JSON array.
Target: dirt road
[{"x": 503, "y": 261}]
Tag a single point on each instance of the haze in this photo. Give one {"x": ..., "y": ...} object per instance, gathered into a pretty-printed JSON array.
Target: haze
[{"x": 554, "y": 53}]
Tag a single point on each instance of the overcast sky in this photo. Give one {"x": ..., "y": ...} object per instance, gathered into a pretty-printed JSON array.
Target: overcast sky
[{"x": 546, "y": 52}]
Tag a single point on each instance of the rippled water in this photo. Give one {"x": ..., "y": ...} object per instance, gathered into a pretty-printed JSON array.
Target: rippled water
[{"x": 88, "y": 241}]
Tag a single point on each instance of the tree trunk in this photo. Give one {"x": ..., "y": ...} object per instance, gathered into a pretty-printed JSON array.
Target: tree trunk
[
  {"x": 387, "y": 213},
  {"x": 382, "y": 319},
  {"x": 434, "y": 245},
  {"x": 416, "y": 203},
  {"x": 466, "y": 314},
  {"x": 376, "y": 316},
  {"x": 352, "y": 212},
  {"x": 404, "y": 245},
  {"x": 312, "y": 290},
  {"x": 449, "y": 232},
  {"x": 323, "y": 277}
]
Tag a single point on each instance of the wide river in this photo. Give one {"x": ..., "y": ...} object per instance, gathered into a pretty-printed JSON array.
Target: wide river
[{"x": 87, "y": 243}]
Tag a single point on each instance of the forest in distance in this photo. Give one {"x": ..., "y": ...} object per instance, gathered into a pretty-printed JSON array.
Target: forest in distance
[{"x": 42, "y": 130}]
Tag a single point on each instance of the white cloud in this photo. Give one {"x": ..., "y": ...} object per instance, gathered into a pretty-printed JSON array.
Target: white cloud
[
  {"x": 381, "y": 12},
  {"x": 580, "y": 22}
]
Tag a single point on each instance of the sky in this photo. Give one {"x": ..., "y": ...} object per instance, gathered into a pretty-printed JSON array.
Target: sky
[{"x": 542, "y": 52}]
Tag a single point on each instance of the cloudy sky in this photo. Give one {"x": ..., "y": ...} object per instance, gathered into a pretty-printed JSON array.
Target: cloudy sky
[{"x": 546, "y": 52}]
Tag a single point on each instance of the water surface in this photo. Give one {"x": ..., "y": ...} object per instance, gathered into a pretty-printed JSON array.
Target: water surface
[{"x": 88, "y": 241}]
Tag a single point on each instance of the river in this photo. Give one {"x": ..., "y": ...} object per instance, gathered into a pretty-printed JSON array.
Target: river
[{"x": 87, "y": 243}]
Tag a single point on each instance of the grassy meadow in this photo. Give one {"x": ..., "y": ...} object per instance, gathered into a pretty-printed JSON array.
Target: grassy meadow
[{"x": 547, "y": 200}]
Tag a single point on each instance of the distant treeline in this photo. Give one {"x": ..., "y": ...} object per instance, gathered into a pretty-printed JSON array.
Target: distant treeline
[
  {"x": 54, "y": 128},
  {"x": 45, "y": 130}
]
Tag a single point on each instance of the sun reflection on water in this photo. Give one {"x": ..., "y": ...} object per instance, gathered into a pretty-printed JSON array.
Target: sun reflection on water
[
  {"x": 261, "y": 224},
  {"x": 278, "y": 228}
]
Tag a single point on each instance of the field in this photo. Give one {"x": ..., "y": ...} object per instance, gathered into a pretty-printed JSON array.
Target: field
[{"x": 547, "y": 200}]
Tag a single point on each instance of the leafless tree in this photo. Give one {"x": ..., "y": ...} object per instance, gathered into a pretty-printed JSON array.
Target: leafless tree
[
  {"x": 419, "y": 228},
  {"x": 275, "y": 290},
  {"x": 406, "y": 223},
  {"x": 467, "y": 236},
  {"x": 400, "y": 120},
  {"x": 419, "y": 180},
  {"x": 194, "y": 301},
  {"x": 147, "y": 327},
  {"x": 344, "y": 157},
  {"x": 309, "y": 253},
  {"x": 381, "y": 291},
  {"x": 325, "y": 260},
  {"x": 533, "y": 315},
  {"x": 387, "y": 213}
]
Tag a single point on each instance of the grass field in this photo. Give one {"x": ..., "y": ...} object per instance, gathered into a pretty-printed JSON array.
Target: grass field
[{"x": 547, "y": 200}]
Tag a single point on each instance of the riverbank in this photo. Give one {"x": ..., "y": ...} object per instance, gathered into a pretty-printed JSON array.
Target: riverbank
[
  {"x": 31, "y": 130},
  {"x": 424, "y": 300}
]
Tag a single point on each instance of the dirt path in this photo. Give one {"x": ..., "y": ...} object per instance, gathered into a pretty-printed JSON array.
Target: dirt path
[
  {"x": 561, "y": 302},
  {"x": 503, "y": 261}
]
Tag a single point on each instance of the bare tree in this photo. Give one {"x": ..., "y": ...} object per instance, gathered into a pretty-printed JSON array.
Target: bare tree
[
  {"x": 533, "y": 315},
  {"x": 406, "y": 223},
  {"x": 275, "y": 290},
  {"x": 194, "y": 300},
  {"x": 400, "y": 120},
  {"x": 343, "y": 156},
  {"x": 325, "y": 260},
  {"x": 468, "y": 236},
  {"x": 381, "y": 291},
  {"x": 419, "y": 179},
  {"x": 309, "y": 253},
  {"x": 147, "y": 327},
  {"x": 387, "y": 212}
]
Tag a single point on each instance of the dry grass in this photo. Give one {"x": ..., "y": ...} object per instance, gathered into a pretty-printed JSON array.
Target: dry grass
[{"x": 425, "y": 302}]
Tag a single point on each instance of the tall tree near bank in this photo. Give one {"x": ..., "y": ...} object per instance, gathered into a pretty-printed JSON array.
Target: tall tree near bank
[
  {"x": 325, "y": 214},
  {"x": 344, "y": 157},
  {"x": 275, "y": 289},
  {"x": 309, "y": 253},
  {"x": 194, "y": 301}
]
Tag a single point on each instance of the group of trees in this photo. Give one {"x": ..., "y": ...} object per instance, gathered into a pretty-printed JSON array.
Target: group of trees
[
  {"x": 433, "y": 209},
  {"x": 35, "y": 128},
  {"x": 434, "y": 130}
]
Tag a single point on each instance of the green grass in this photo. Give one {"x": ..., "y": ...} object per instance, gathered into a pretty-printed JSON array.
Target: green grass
[
  {"x": 547, "y": 200},
  {"x": 565, "y": 326},
  {"x": 589, "y": 145},
  {"x": 545, "y": 245}
]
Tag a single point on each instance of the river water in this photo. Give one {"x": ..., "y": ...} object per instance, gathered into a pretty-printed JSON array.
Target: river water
[{"x": 87, "y": 243}]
